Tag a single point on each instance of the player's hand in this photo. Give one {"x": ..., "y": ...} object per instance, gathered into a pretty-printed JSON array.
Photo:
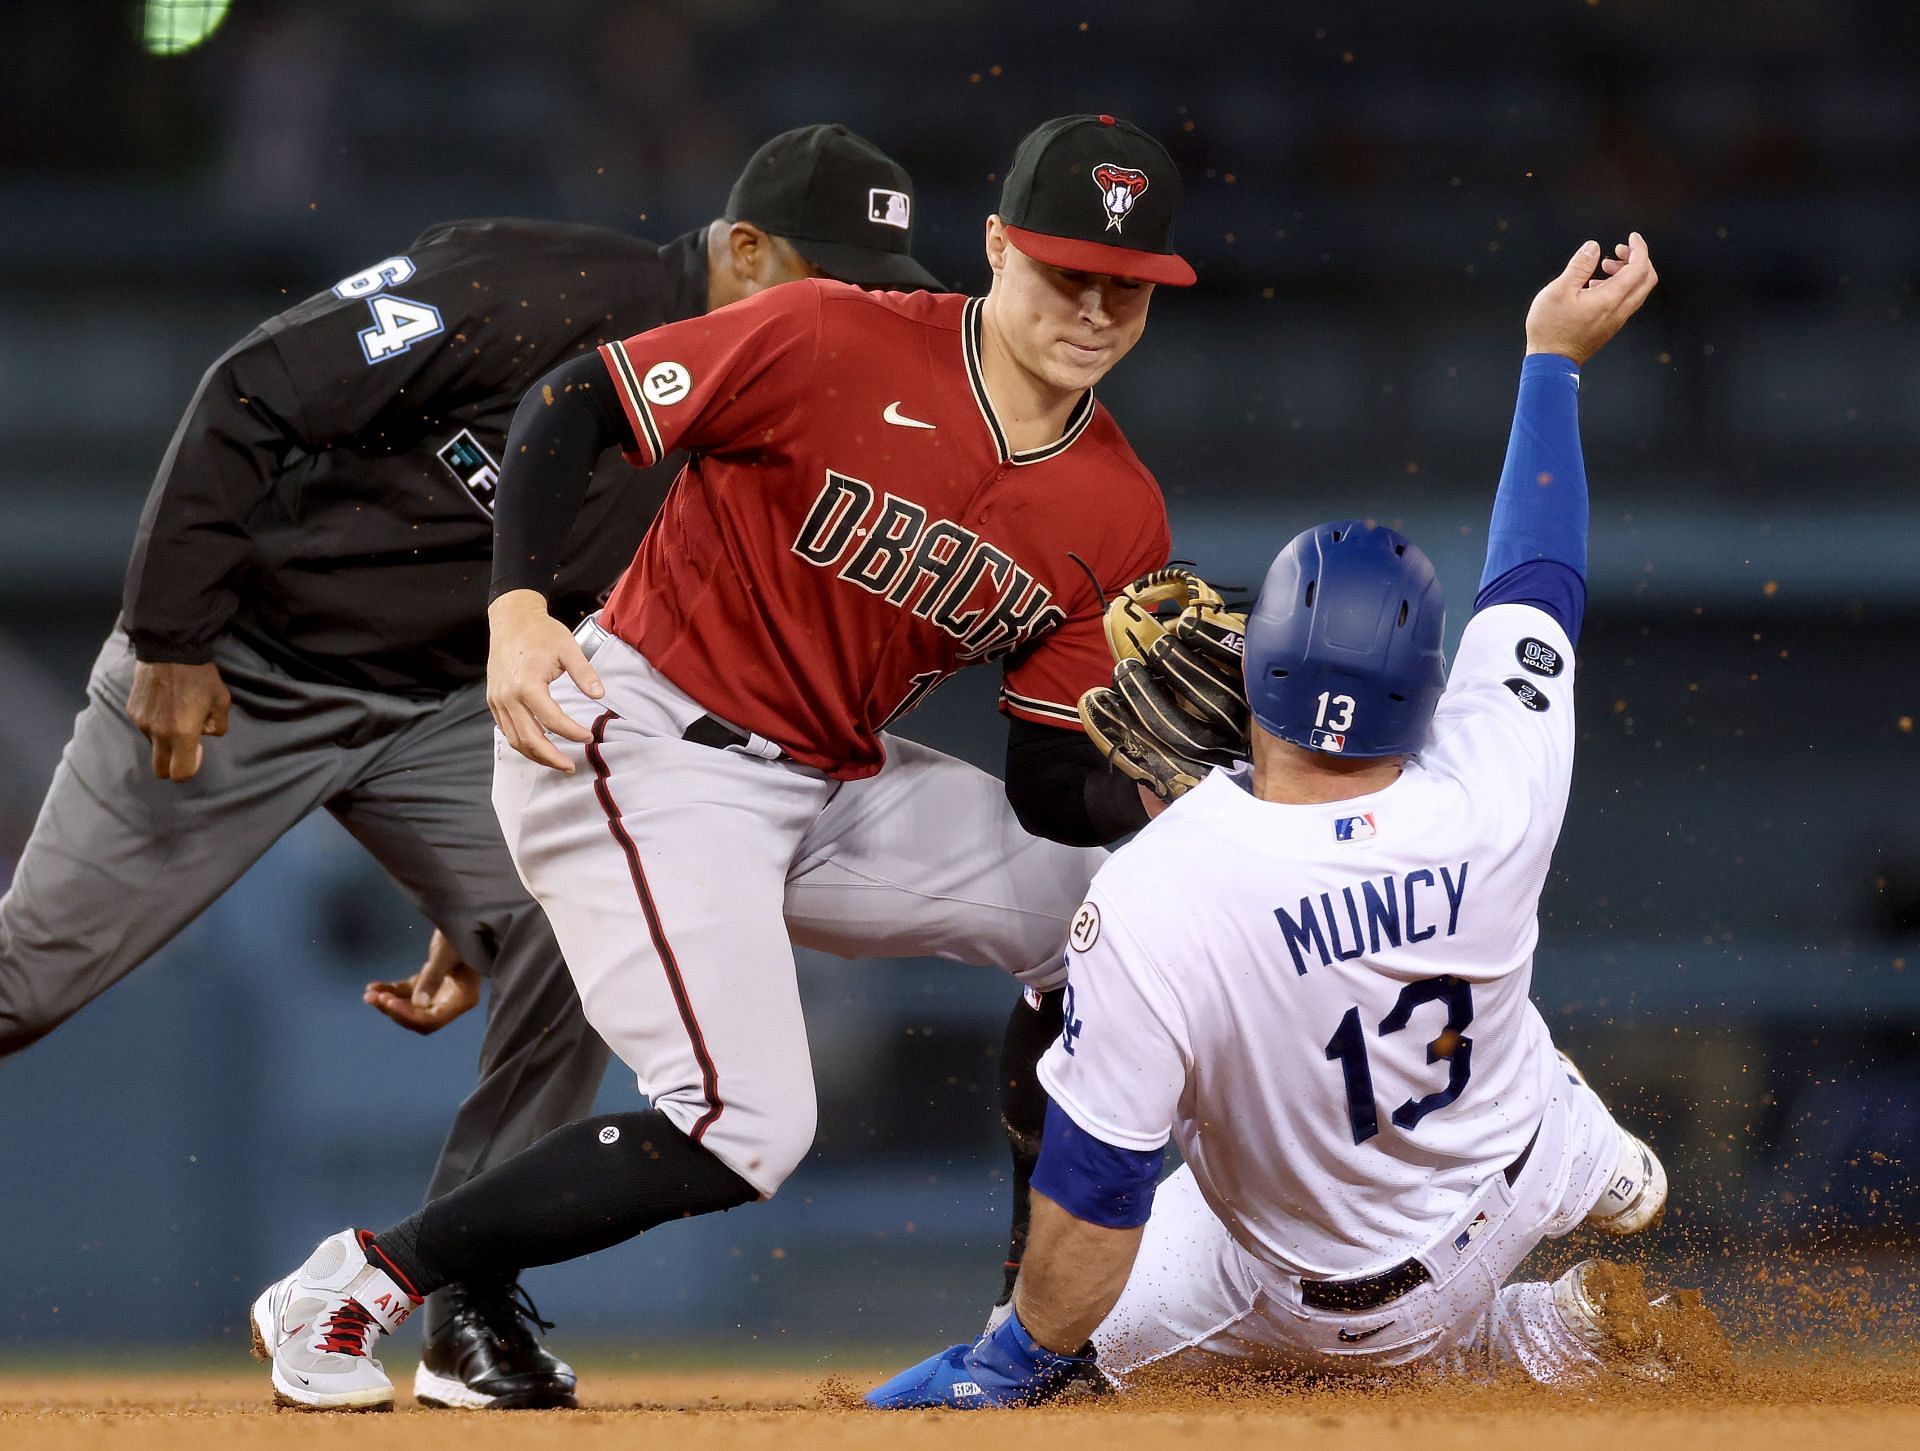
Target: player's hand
[
  {"x": 1005, "y": 1367},
  {"x": 1575, "y": 314},
  {"x": 174, "y": 706},
  {"x": 443, "y": 989},
  {"x": 529, "y": 651}
]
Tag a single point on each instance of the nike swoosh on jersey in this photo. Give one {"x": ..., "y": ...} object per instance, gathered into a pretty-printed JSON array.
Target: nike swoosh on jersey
[
  {"x": 1350, "y": 1338},
  {"x": 893, "y": 414}
]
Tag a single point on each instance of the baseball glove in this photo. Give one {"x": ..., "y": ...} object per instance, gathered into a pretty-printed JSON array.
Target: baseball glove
[{"x": 1177, "y": 705}]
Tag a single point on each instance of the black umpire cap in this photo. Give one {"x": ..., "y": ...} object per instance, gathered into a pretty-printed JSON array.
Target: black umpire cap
[
  {"x": 844, "y": 204},
  {"x": 1095, "y": 194}
]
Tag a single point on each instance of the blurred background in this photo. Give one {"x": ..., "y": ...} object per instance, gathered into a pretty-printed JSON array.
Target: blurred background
[{"x": 1374, "y": 194}]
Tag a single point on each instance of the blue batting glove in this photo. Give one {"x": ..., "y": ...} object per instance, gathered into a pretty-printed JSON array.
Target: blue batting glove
[{"x": 1005, "y": 1367}]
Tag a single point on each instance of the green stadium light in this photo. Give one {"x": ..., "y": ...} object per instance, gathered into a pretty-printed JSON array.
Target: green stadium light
[{"x": 173, "y": 27}]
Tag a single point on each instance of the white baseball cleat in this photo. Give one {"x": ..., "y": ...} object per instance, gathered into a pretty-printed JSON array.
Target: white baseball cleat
[
  {"x": 317, "y": 1327},
  {"x": 1636, "y": 1197},
  {"x": 1659, "y": 1338}
]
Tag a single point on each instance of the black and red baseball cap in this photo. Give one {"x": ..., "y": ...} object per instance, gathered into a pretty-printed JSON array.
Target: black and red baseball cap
[{"x": 1095, "y": 194}]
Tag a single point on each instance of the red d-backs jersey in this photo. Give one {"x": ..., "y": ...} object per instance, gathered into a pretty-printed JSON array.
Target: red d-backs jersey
[{"x": 852, "y": 527}]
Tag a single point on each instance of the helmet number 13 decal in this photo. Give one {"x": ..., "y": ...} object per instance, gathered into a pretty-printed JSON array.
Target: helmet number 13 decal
[{"x": 1342, "y": 707}]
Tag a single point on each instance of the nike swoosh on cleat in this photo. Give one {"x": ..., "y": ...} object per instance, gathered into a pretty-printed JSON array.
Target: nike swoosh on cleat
[
  {"x": 892, "y": 414},
  {"x": 1350, "y": 1338}
]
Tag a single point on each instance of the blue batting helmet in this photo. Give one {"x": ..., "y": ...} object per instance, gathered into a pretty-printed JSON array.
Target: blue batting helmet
[{"x": 1344, "y": 645}]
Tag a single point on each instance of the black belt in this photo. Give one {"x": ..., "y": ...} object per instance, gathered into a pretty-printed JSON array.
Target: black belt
[
  {"x": 1351, "y": 1297},
  {"x": 707, "y": 731},
  {"x": 711, "y": 731}
]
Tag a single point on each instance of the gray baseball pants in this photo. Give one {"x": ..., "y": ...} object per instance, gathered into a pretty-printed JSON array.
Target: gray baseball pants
[{"x": 120, "y": 861}]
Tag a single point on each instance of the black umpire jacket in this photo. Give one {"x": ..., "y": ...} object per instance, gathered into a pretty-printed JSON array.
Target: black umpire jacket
[{"x": 328, "y": 497}]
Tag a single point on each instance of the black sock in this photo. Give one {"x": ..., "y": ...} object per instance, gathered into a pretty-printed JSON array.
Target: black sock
[
  {"x": 1023, "y": 1108},
  {"x": 587, "y": 1185}
]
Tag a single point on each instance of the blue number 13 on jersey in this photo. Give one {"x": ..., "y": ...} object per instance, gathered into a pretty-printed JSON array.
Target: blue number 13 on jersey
[{"x": 1348, "y": 1048}]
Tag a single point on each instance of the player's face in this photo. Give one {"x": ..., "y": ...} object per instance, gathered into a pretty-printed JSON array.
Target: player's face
[{"x": 1067, "y": 328}]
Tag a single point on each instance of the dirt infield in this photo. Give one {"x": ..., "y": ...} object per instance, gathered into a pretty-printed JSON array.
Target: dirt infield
[{"x": 1802, "y": 1402}]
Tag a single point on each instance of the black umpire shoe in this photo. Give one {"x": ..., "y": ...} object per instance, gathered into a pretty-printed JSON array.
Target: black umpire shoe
[{"x": 483, "y": 1353}]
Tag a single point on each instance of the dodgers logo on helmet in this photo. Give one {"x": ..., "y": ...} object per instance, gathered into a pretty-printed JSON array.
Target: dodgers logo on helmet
[{"x": 1120, "y": 187}]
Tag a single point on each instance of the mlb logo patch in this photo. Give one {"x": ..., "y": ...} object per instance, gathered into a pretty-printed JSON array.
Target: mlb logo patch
[
  {"x": 1469, "y": 1234},
  {"x": 890, "y": 208},
  {"x": 1332, "y": 741},
  {"x": 1354, "y": 828}
]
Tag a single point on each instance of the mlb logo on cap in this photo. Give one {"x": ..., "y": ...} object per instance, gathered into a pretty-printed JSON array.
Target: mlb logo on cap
[
  {"x": 890, "y": 208},
  {"x": 1354, "y": 828}
]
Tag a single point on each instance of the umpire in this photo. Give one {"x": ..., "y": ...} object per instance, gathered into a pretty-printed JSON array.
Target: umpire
[{"x": 309, "y": 584}]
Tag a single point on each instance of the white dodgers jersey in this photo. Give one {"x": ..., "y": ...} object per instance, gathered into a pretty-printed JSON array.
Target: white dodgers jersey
[{"x": 1326, "y": 1007}]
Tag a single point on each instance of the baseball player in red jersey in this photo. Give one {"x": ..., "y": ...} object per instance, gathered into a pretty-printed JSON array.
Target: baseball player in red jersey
[{"x": 882, "y": 488}]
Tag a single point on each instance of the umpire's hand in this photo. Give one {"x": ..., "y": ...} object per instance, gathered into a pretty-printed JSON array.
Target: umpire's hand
[
  {"x": 174, "y": 706},
  {"x": 529, "y": 651},
  {"x": 443, "y": 989}
]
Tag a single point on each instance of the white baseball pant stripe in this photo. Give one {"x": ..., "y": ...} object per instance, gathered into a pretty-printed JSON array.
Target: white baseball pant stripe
[
  {"x": 1197, "y": 1303},
  {"x": 678, "y": 877}
]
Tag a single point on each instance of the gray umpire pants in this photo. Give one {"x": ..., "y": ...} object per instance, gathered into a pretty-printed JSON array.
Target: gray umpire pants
[{"x": 120, "y": 861}]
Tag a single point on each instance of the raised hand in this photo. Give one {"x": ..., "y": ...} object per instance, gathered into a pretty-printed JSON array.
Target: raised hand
[{"x": 1577, "y": 313}]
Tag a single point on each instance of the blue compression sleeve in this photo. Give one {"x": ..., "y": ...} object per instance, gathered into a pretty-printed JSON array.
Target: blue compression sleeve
[
  {"x": 1093, "y": 1180},
  {"x": 1545, "y": 584},
  {"x": 1540, "y": 511}
]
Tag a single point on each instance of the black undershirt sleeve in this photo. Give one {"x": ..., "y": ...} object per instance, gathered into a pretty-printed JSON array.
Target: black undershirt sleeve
[
  {"x": 562, "y": 426},
  {"x": 1061, "y": 788}
]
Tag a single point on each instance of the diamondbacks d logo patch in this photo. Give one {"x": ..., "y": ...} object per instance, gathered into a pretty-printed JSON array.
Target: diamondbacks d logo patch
[{"x": 1120, "y": 187}]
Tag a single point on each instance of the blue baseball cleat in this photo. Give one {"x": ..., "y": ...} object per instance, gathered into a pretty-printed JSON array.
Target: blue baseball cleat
[{"x": 1005, "y": 1367}]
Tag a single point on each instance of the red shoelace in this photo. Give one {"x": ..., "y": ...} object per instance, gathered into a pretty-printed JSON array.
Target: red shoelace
[{"x": 346, "y": 1329}]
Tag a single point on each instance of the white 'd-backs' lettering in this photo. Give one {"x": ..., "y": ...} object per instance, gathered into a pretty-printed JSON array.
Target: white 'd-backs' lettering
[{"x": 887, "y": 546}]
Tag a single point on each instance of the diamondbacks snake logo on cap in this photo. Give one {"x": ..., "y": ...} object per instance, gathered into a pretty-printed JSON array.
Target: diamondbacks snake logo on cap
[{"x": 1120, "y": 187}]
